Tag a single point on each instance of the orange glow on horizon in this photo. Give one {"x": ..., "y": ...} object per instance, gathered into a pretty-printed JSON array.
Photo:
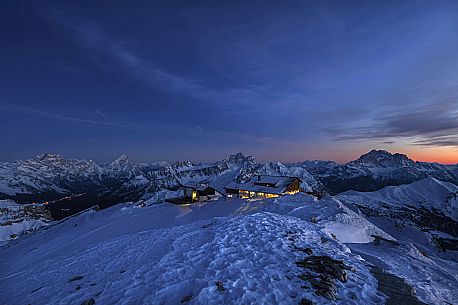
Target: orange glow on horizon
[
  {"x": 440, "y": 155},
  {"x": 344, "y": 154},
  {"x": 434, "y": 154}
]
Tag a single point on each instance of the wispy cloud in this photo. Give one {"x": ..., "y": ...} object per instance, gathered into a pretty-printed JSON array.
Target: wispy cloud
[
  {"x": 27, "y": 110},
  {"x": 250, "y": 97},
  {"x": 434, "y": 124},
  {"x": 101, "y": 114},
  {"x": 191, "y": 131},
  {"x": 91, "y": 35}
]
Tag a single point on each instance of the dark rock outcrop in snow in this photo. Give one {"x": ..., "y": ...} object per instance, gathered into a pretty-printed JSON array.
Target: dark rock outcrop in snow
[
  {"x": 395, "y": 288},
  {"x": 322, "y": 272}
]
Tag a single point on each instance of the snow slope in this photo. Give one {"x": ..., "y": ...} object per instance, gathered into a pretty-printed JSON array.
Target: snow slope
[
  {"x": 424, "y": 213},
  {"x": 435, "y": 280},
  {"x": 250, "y": 255},
  {"x": 428, "y": 193},
  {"x": 335, "y": 218},
  {"x": 166, "y": 254}
]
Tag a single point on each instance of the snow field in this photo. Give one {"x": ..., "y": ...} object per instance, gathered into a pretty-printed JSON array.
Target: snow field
[{"x": 250, "y": 254}]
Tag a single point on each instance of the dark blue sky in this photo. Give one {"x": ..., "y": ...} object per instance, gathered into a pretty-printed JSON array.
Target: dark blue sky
[{"x": 199, "y": 80}]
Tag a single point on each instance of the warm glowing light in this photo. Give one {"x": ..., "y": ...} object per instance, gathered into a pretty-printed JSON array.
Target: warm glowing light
[
  {"x": 292, "y": 192},
  {"x": 440, "y": 155}
]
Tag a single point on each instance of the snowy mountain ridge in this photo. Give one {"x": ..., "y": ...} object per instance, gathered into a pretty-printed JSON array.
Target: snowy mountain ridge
[
  {"x": 375, "y": 170},
  {"x": 29, "y": 175},
  {"x": 424, "y": 212},
  {"x": 428, "y": 193},
  {"x": 51, "y": 178}
]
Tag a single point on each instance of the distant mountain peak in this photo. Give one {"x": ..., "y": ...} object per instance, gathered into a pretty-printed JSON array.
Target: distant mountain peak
[
  {"x": 49, "y": 157},
  {"x": 383, "y": 158},
  {"x": 379, "y": 152},
  {"x": 180, "y": 164},
  {"x": 122, "y": 159},
  {"x": 240, "y": 159},
  {"x": 121, "y": 162}
]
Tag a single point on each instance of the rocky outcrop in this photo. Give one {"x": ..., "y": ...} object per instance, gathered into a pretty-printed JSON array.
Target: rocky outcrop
[
  {"x": 322, "y": 272},
  {"x": 395, "y": 288}
]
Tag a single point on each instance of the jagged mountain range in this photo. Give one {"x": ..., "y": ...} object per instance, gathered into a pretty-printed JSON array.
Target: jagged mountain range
[{"x": 50, "y": 177}]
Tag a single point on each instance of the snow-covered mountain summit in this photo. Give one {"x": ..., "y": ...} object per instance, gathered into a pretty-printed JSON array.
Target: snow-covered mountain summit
[
  {"x": 376, "y": 169},
  {"x": 382, "y": 158},
  {"x": 239, "y": 159}
]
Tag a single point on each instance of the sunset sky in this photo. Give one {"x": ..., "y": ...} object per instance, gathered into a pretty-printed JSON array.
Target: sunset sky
[{"x": 198, "y": 80}]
